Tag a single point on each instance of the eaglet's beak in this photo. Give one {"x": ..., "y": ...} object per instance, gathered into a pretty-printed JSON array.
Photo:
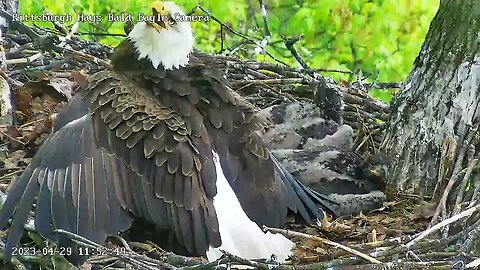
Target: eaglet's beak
[
  {"x": 375, "y": 172},
  {"x": 160, "y": 14}
]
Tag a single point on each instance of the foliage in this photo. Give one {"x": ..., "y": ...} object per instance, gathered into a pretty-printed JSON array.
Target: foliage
[{"x": 379, "y": 37}]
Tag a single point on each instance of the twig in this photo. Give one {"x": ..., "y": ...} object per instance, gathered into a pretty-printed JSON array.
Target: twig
[
  {"x": 384, "y": 85},
  {"x": 456, "y": 171},
  {"x": 473, "y": 264},
  {"x": 463, "y": 185},
  {"x": 265, "y": 20},
  {"x": 236, "y": 33},
  {"x": 24, "y": 60},
  {"x": 413, "y": 255},
  {"x": 124, "y": 243},
  {"x": 266, "y": 39},
  {"x": 11, "y": 138},
  {"x": 323, "y": 240},
  {"x": 8, "y": 175},
  {"x": 56, "y": 25},
  {"x": 88, "y": 57},
  {"x": 438, "y": 226},
  {"x": 70, "y": 34},
  {"x": 475, "y": 196},
  {"x": 19, "y": 25},
  {"x": 139, "y": 261},
  {"x": 101, "y": 34},
  {"x": 289, "y": 44},
  {"x": 270, "y": 81},
  {"x": 333, "y": 70}
]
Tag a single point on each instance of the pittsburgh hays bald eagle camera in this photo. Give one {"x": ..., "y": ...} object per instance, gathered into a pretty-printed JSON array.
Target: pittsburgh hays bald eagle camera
[{"x": 159, "y": 137}]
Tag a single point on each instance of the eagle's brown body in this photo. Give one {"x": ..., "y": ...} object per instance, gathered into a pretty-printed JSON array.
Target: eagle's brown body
[{"x": 137, "y": 142}]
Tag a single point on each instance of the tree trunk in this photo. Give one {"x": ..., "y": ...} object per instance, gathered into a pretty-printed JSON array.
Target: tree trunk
[{"x": 432, "y": 130}]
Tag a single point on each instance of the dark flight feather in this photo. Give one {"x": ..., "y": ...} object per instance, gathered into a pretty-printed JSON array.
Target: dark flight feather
[{"x": 137, "y": 143}]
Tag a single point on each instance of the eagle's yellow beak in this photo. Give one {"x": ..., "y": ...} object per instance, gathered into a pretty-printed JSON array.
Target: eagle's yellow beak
[{"x": 160, "y": 14}]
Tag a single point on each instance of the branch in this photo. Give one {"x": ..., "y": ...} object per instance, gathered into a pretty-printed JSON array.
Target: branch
[
  {"x": 451, "y": 151},
  {"x": 19, "y": 25},
  {"x": 323, "y": 240},
  {"x": 261, "y": 47},
  {"x": 289, "y": 44},
  {"x": 235, "y": 32},
  {"x": 265, "y": 21},
  {"x": 101, "y": 34},
  {"x": 139, "y": 261},
  {"x": 438, "y": 226}
]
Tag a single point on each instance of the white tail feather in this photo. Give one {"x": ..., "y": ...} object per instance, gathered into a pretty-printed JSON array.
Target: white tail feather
[{"x": 241, "y": 236}]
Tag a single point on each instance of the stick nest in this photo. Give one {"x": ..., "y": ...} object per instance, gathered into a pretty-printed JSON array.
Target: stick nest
[{"x": 44, "y": 69}]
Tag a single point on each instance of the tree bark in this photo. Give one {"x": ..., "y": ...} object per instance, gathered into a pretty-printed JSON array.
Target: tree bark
[
  {"x": 5, "y": 103},
  {"x": 6, "y": 113},
  {"x": 432, "y": 129}
]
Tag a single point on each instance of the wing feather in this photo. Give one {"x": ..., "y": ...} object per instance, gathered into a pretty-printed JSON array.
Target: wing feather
[
  {"x": 21, "y": 214},
  {"x": 43, "y": 207},
  {"x": 58, "y": 202},
  {"x": 142, "y": 145},
  {"x": 166, "y": 159},
  {"x": 70, "y": 182},
  {"x": 231, "y": 125}
]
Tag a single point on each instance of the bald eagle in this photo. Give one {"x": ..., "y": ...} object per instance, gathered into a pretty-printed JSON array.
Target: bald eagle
[{"x": 159, "y": 137}]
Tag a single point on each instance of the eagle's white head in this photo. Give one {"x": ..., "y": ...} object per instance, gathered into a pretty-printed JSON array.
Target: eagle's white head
[{"x": 164, "y": 40}]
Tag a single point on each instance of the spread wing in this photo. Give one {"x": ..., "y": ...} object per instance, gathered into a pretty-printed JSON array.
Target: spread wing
[
  {"x": 128, "y": 155},
  {"x": 68, "y": 175},
  {"x": 141, "y": 144},
  {"x": 174, "y": 166}
]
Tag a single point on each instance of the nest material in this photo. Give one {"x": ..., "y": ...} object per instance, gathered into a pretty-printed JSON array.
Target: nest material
[
  {"x": 264, "y": 84},
  {"x": 45, "y": 60},
  {"x": 267, "y": 84}
]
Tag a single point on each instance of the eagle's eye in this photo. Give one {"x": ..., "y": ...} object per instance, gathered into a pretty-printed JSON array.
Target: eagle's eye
[{"x": 171, "y": 21}]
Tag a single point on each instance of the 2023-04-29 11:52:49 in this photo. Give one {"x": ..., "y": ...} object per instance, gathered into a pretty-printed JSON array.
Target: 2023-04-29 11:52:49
[{"x": 67, "y": 251}]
